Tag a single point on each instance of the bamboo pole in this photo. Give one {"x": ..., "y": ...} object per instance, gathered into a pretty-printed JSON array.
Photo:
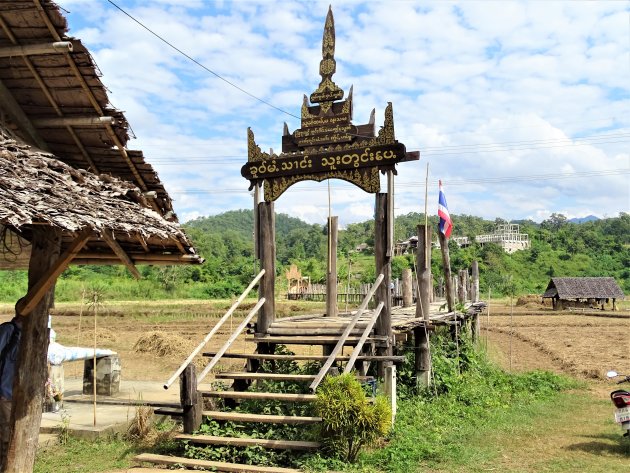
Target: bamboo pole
[
  {"x": 339, "y": 346},
  {"x": 231, "y": 340},
  {"x": 214, "y": 330}
]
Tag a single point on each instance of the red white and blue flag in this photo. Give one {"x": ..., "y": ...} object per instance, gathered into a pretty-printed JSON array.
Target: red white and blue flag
[{"x": 446, "y": 224}]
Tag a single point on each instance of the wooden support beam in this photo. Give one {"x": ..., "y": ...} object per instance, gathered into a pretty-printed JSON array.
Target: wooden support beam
[
  {"x": 191, "y": 401},
  {"x": 84, "y": 152},
  {"x": 17, "y": 116},
  {"x": 474, "y": 296},
  {"x": 143, "y": 242},
  {"x": 108, "y": 236},
  {"x": 423, "y": 264},
  {"x": 384, "y": 267},
  {"x": 407, "y": 288},
  {"x": 267, "y": 250},
  {"x": 37, "y": 291},
  {"x": 448, "y": 280},
  {"x": 35, "y": 49},
  {"x": 31, "y": 372},
  {"x": 331, "y": 275},
  {"x": 60, "y": 122}
]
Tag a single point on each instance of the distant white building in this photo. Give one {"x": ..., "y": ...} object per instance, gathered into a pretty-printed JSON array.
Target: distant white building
[{"x": 507, "y": 236}]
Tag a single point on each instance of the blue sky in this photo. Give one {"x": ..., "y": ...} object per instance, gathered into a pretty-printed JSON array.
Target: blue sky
[{"x": 521, "y": 108}]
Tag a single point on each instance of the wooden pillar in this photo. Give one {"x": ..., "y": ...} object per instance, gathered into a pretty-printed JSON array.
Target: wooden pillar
[
  {"x": 267, "y": 251},
  {"x": 475, "y": 282},
  {"x": 422, "y": 362},
  {"x": 423, "y": 264},
  {"x": 421, "y": 338},
  {"x": 446, "y": 261},
  {"x": 331, "y": 275},
  {"x": 390, "y": 388},
  {"x": 31, "y": 370},
  {"x": 407, "y": 294},
  {"x": 383, "y": 265},
  {"x": 455, "y": 286},
  {"x": 191, "y": 401},
  {"x": 461, "y": 287}
]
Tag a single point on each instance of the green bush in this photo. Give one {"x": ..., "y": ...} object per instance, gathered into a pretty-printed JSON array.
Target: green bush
[{"x": 350, "y": 422}]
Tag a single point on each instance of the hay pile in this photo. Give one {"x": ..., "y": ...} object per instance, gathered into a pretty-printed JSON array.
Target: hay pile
[
  {"x": 529, "y": 300},
  {"x": 163, "y": 344}
]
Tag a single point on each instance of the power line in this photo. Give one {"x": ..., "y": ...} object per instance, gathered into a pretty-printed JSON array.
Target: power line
[
  {"x": 199, "y": 64},
  {"x": 453, "y": 183},
  {"x": 427, "y": 152}
]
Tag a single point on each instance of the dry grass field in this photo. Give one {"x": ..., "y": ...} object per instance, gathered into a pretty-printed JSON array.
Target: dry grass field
[
  {"x": 583, "y": 344},
  {"x": 529, "y": 336}
]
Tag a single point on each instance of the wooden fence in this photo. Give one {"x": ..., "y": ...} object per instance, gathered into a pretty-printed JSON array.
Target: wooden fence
[{"x": 317, "y": 292}]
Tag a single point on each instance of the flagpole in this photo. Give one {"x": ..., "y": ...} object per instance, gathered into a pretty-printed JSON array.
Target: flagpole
[{"x": 426, "y": 220}]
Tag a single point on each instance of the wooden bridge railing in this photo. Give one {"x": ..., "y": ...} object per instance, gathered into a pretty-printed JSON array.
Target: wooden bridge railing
[
  {"x": 214, "y": 330},
  {"x": 346, "y": 333}
]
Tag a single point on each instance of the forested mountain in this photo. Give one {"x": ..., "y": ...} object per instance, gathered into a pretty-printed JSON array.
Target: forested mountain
[{"x": 559, "y": 248}]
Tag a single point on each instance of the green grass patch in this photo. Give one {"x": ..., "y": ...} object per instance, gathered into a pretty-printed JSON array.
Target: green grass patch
[{"x": 82, "y": 456}]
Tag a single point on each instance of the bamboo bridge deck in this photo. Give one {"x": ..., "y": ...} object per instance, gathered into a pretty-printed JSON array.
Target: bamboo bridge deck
[{"x": 403, "y": 319}]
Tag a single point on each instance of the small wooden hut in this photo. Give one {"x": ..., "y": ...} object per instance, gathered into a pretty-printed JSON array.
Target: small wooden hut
[
  {"x": 582, "y": 292},
  {"x": 70, "y": 190}
]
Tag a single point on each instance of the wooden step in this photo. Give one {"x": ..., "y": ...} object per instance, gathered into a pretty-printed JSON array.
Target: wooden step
[
  {"x": 169, "y": 411},
  {"x": 259, "y": 395},
  {"x": 218, "y": 466},
  {"x": 263, "y": 418},
  {"x": 262, "y": 356},
  {"x": 263, "y": 376},
  {"x": 249, "y": 442},
  {"x": 317, "y": 340},
  {"x": 276, "y": 376}
]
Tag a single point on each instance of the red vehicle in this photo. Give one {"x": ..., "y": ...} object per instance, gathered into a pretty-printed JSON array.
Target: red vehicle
[{"x": 621, "y": 400}]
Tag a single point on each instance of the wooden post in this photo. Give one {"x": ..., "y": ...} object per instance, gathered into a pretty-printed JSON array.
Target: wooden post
[
  {"x": 475, "y": 282},
  {"x": 191, "y": 401},
  {"x": 390, "y": 388},
  {"x": 423, "y": 264},
  {"x": 31, "y": 370},
  {"x": 461, "y": 286},
  {"x": 267, "y": 250},
  {"x": 421, "y": 338},
  {"x": 383, "y": 265},
  {"x": 407, "y": 294},
  {"x": 331, "y": 275},
  {"x": 446, "y": 261},
  {"x": 422, "y": 362}
]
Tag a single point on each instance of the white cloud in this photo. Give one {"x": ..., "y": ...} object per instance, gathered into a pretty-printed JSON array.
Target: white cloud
[{"x": 484, "y": 93}]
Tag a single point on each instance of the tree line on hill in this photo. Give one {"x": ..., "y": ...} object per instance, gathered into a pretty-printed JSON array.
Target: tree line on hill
[{"x": 558, "y": 248}]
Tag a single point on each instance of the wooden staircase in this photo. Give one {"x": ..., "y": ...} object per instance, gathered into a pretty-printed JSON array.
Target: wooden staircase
[
  {"x": 265, "y": 372},
  {"x": 293, "y": 409}
]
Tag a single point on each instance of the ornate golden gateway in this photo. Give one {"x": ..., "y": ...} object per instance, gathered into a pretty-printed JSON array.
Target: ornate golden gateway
[{"x": 328, "y": 145}]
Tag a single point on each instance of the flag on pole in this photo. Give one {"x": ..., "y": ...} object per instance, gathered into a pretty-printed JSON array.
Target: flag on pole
[{"x": 446, "y": 224}]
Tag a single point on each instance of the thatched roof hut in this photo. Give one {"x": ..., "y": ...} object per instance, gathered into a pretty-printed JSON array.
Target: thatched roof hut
[{"x": 562, "y": 290}]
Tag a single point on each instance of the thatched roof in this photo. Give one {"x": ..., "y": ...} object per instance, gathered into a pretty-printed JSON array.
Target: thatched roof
[
  {"x": 63, "y": 156},
  {"x": 36, "y": 188},
  {"x": 584, "y": 288},
  {"x": 56, "y": 100}
]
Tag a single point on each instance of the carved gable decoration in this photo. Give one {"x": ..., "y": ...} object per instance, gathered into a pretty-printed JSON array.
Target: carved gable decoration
[{"x": 328, "y": 145}]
